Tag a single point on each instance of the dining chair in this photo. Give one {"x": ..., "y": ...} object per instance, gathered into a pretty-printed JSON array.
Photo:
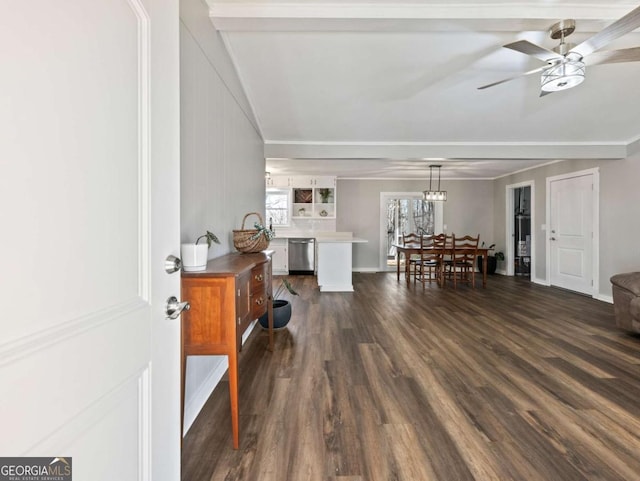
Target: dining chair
[
  {"x": 433, "y": 259},
  {"x": 411, "y": 239},
  {"x": 428, "y": 261},
  {"x": 463, "y": 257}
]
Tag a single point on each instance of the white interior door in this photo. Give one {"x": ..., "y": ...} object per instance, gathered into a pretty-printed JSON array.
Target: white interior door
[
  {"x": 570, "y": 233},
  {"x": 89, "y": 162}
]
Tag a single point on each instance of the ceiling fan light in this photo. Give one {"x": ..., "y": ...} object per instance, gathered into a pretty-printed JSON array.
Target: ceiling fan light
[{"x": 565, "y": 75}]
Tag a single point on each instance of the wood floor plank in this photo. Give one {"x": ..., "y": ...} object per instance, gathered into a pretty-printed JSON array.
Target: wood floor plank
[{"x": 397, "y": 381}]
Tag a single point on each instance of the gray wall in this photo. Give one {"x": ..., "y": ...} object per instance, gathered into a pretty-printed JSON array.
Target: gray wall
[
  {"x": 469, "y": 209},
  {"x": 619, "y": 220},
  {"x": 222, "y": 162}
]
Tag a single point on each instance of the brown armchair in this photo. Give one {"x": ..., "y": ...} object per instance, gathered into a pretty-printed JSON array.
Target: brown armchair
[{"x": 626, "y": 300}]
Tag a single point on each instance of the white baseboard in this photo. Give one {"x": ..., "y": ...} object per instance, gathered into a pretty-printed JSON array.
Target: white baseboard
[
  {"x": 542, "y": 282},
  {"x": 604, "y": 298},
  {"x": 367, "y": 269},
  {"x": 599, "y": 297},
  {"x": 337, "y": 288}
]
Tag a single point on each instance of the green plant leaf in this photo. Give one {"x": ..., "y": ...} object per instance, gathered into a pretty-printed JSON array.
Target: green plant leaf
[
  {"x": 289, "y": 287},
  {"x": 284, "y": 285},
  {"x": 210, "y": 236}
]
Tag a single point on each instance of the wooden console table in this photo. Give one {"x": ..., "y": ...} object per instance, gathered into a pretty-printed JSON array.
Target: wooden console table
[{"x": 234, "y": 290}]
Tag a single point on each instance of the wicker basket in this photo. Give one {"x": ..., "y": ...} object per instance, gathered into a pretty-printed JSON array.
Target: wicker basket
[{"x": 248, "y": 240}]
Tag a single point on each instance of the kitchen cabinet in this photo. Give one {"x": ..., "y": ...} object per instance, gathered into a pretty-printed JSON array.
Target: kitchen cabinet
[
  {"x": 324, "y": 202},
  {"x": 280, "y": 256},
  {"x": 313, "y": 181},
  {"x": 312, "y": 197},
  {"x": 316, "y": 202},
  {"x": 279, "y": 181}
]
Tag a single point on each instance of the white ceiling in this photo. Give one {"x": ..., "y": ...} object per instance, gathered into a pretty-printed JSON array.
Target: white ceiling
[{"x": 381, "y": 89}]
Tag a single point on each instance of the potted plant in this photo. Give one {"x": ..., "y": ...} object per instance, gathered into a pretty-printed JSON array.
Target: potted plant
[
  {"x": 492, "y": 260},
  {"x": 325, "y": 193},
  {"x": 195, "y": 255},
  {"x": 281, "y": 307}
]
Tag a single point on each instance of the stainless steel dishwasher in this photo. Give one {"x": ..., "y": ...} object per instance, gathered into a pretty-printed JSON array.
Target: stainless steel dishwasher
[{"x": 302, "y": 254}]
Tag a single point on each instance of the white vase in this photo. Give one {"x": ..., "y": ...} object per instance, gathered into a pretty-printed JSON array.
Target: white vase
[{"x": 194, "y": 257}]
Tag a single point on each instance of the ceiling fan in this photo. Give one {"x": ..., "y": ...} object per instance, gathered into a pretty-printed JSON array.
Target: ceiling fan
[{"x": 565, "y": 65}]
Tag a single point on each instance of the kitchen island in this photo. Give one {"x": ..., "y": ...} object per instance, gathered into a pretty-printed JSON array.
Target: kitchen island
[{"x": 334, "y": 258}]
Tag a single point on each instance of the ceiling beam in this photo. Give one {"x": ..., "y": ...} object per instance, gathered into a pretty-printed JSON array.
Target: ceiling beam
[
  {"x": 347, "y": 16},
  {"x": 429, "y": 150}
]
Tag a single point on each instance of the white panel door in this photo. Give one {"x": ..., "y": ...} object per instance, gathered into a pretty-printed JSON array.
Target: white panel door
[
  {"x": 89, "y": 162},
  {"x": 571, "y": 233}
]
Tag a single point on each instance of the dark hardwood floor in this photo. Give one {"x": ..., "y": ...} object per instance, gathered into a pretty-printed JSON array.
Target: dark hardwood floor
[{"x": 396, "y": 382}]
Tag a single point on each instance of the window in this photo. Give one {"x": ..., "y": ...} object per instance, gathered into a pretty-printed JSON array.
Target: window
[{"x": 277, "y": 206}]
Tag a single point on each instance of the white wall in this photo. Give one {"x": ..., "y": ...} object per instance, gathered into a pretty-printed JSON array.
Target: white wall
[{"x": 222, "y": 162}]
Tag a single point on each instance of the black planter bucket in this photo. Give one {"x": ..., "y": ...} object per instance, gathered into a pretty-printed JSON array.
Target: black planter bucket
[
  {"x": 492, "y": 263},
  {"x": 281, "y": 315}
]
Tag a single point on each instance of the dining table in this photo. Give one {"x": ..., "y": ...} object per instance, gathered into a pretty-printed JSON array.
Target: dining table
[{"x": 407, "y": 250}]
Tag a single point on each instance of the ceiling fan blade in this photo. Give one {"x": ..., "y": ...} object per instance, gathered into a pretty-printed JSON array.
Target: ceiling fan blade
[
  {"x": 534, "y": 50},
  {"x": 617, "y": 29},
  {"x": 513, "y": 78},
  {"x": 614, "y": 56}
]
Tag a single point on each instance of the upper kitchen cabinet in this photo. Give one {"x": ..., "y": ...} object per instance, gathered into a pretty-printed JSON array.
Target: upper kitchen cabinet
[
  {"x": 279, "y": 181},
  {"x": 314, "y": 181},
  {"x": 309, "y": 197},
  {"x": 318, "y": 202},
  {"x": 324, "y": 202}
]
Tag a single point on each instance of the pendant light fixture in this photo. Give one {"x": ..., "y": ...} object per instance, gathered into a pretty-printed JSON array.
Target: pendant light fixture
[{"x": 434, "y": 195}]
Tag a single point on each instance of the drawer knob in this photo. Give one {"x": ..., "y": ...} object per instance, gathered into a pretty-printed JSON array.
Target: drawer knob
[
  {"x": 260, "y": 301},
  {"x": 259, "y": 277}
]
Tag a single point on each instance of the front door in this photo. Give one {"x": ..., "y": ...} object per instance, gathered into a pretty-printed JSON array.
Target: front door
[
  {"x": 571, "y": 233},
  {"x": 89, "y": 209}
]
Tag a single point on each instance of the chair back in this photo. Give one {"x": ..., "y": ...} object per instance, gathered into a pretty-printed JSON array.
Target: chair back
[
  {"x": 439, "y": 240},
  {"x": 465, "y": 249},
  {"x": 437, "y": 243},
  {"x": 411, "y": 239}
]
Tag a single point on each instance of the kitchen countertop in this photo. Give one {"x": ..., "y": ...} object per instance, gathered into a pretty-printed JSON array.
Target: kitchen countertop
[
  {"x": 350, "y": 240},
  {"x": 319, "y": 236}
]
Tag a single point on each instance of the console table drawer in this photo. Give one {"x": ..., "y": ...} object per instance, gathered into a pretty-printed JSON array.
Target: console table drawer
[
  {"x": 259, "y": 303},
  {"x": 259, "y": 276}
]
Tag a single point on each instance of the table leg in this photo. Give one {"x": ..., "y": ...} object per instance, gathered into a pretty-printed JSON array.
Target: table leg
[
  {"x": 233, "y": 397},
  {"x": 485, "y": 258},
  {"x": 407, "y": 267},
  {"x": 398, "y": 265}
]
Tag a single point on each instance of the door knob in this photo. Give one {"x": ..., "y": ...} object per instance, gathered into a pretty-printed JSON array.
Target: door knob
[
  {"x": 174, "y": 308},
  {"x": 172, "y": 264}
]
